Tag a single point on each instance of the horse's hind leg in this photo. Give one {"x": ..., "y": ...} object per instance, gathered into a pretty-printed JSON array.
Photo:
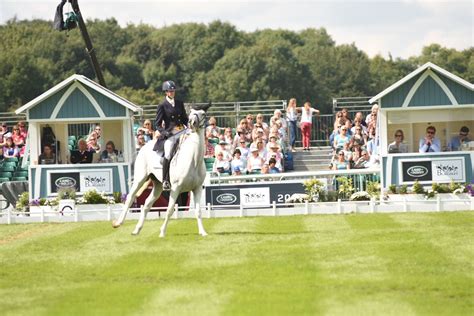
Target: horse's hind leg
[
  {"x": 131, "y": 196},
  {"x": 154, "y": 195},
  {"x": 197, "y": 209},
  {"x": 169, "y": 211}
]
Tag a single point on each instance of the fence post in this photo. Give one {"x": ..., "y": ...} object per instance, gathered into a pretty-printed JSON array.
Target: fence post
[
  {"x": 42, "y": 214},
  {"x": 109, "y": 213},
  {"x": 274, "y": 208},
  {"x": 339, "y": 206},
  {"x": 76, "y": 214},
  {"x": 9, "y": 216},
  {"x": 306, "y": 207},
  {"x": 209, "y": 209},
  {"x": 241, "y": 210},
  {"x": 176, "y": 208},
  {"x": 405, "y": 206},
  {"x": 372, "y": 205},
  {"x": 438, "y": 203}
]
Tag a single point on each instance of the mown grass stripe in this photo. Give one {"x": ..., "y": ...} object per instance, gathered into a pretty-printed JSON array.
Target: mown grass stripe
[
  {"x": 278, "y": 278},
  {"x": 211, "y": 262},
  {"x": 418, "y": 273},
  {"x": 349, "y": 273}
]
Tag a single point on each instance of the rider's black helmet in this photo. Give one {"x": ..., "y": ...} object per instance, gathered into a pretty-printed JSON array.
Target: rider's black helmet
[{"x": 169, "y": 86}]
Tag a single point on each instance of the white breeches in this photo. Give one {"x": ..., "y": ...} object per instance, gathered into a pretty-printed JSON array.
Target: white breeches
[{"x": 169, "y": 143}]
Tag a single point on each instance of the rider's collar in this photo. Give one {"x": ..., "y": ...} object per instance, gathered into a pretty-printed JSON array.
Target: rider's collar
[{"x": 170, "y": 100}]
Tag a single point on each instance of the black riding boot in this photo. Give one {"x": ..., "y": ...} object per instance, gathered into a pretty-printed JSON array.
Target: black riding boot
[{"x": 166, "y": 175}]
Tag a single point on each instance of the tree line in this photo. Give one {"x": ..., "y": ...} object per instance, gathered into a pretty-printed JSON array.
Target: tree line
[{"x": 212, "y": 61}]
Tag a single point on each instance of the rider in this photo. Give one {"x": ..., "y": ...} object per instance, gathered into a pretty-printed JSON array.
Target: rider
[{"x": 171, "y": 118}]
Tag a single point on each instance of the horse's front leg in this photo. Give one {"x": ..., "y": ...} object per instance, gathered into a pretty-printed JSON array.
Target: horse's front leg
[
  {"x": 154, "y": 195},
  {"x": 169, "y": 211},
  {"x": 197, "y": 193},
  {"x": 140, "y": 180}
]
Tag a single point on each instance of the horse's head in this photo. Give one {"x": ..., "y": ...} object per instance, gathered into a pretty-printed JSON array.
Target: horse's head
[{"x": 197, "y": 116}]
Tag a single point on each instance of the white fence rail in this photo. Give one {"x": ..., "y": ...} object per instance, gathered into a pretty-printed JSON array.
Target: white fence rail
[{"x": 111, "y": 212}]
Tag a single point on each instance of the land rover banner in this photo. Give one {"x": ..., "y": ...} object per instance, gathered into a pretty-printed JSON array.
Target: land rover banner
[
  {"x": 63, "y": 180},
  {"x": 417, "y": 170}
]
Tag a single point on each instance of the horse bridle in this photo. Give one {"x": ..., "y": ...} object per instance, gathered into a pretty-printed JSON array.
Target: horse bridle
[{"x": 202, "y": 120}]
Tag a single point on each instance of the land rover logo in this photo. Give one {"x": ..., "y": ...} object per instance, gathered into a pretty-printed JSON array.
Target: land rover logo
[
  {"x": 417, "y": 171},
  {"x": 226, "y": 198},
  {"x": 65, "y": 182}
]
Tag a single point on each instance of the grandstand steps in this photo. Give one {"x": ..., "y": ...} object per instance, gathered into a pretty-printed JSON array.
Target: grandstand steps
[{"x": 318, "y": 158}]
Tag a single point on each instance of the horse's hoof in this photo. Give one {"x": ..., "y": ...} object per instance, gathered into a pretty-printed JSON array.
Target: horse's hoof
[
  {"x": 115, "y": 224},
  {"x": 203, "y": 234},
  {"x": 162, "y": 235},
  {"x": 135, "y": 233}
]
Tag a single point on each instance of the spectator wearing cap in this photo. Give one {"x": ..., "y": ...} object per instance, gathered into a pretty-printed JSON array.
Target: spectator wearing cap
[
  {"x": 456, "y": 142},
  {"x": 254, "y": 162},
  {"x": 238, "y": 161},
  {"x": 222, "y": 148},
  {"x": 221, "y": 165}
]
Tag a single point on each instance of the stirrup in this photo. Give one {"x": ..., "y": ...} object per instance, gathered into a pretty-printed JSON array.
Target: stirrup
[{"x": 166, "y": 186}]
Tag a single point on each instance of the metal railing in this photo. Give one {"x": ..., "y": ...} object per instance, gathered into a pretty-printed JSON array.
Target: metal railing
[
  {"x": 359, "y": 177},
  {"x": 227, "y": 114},
  {"x": 352, "y": 104}
]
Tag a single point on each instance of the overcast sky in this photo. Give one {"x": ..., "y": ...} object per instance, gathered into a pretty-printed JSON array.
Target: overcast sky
[{"x": 399, "y": 27}]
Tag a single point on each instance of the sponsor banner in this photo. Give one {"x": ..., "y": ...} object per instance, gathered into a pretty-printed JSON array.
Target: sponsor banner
[
  {"x": 228, "y": 196},
  {"x": 416, "y": 170},
  {"x": 255, "y": 196},
  {"x": 252, "y": 194},
  {"x": 447, "y": 170},
  {"x": 64, "y": 180},
  {"x": 99, "y": 180},
  {"x": 433, "y": 170}
]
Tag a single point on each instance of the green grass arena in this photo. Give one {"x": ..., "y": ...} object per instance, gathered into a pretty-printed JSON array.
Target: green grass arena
[{"x": 374, "y": 264}]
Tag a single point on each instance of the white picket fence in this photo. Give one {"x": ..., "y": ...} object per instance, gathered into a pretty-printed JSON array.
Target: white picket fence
[{"x": 110, "y": 212}]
